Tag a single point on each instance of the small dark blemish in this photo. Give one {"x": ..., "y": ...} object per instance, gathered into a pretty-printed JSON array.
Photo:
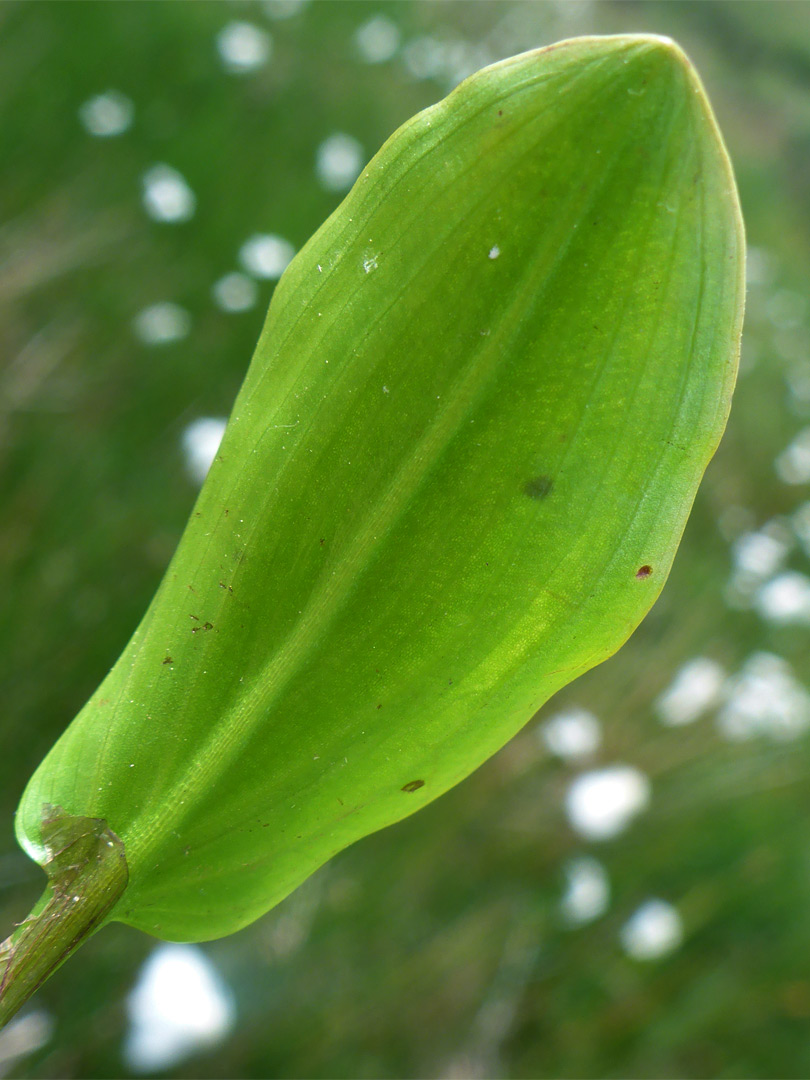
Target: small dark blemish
[
  {"x": 208, "y": 626},
  {"x": 196, "y": 618},
  {"x": 500, "y": 112},
  {"x": 643, "y": 571},
  {"x": 413, "y": 785},
  {"x": 168, "y": 660},
  {"x": 379, "y": 706},
  {"x": 323, "y": 541},
  {"x": 539, "y": 488}
]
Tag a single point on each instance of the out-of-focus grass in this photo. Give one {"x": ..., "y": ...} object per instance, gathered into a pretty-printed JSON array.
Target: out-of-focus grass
[{"x": 436, "y": 948}]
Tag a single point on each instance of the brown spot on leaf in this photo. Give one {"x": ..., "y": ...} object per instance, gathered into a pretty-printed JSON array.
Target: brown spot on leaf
[
  {"x": 413, "y": 785},
  {"x": 643, "y": 571},
  {"x": 168, "y": 660},
  {"x": 539, "y": 487}
]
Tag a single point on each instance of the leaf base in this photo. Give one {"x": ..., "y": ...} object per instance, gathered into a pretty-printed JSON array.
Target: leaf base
[{"x": 87, "y": 875}]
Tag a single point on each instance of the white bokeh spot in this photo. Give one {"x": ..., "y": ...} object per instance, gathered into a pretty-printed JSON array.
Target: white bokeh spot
[
  {"x": 243, "y": 47},
  {"x": 601, "y": 804},
  {"x": 572, "y": 734},
  {"x": 201, "y": 441},
  {"x": 793, "y": 464},
  {"x": 161, "y": 324},
  {"x": 695, "y": 689},
  {"x": 377, "y": 40},
  {"x": 166, "y": 195},
  {"x": 764, "y": 699},
  {"x": 235, "y": 292},
  {"x": 179, "y": 1006},
  {"x": 653, "y": 931},
  {"x": 107, "y": 114},
  {"x": 587, "y": 893},
  {"x": 266, "y": 255},
  {"x": 785, "y": 598},
  {"x": 279, "y": 10},
  {"x": 338, "y": 162}
]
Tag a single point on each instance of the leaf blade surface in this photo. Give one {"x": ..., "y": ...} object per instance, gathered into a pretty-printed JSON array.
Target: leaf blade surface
[{"x": 454, "y": 479}]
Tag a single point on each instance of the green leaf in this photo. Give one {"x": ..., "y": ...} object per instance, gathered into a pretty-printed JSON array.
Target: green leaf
[{"x": 455, "y": 479}]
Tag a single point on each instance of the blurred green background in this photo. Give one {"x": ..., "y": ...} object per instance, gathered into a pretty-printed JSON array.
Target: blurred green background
[{"x": 497, "y": 933}]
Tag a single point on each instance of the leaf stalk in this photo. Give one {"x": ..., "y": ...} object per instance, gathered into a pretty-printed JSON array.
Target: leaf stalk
[{"x": 87, "y": 875}]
